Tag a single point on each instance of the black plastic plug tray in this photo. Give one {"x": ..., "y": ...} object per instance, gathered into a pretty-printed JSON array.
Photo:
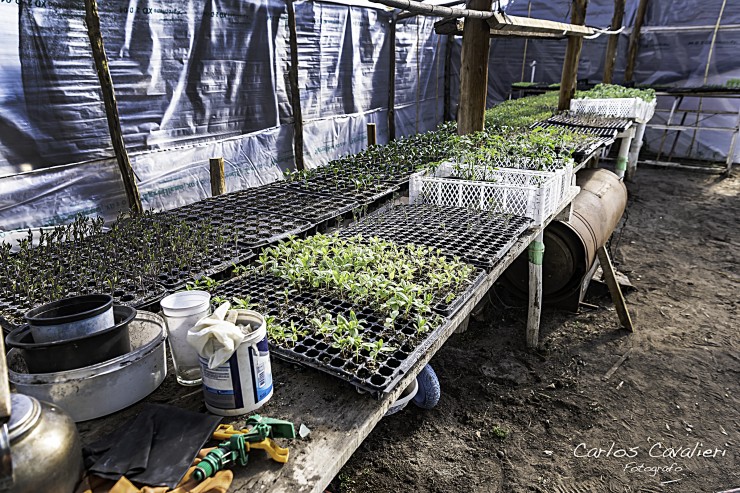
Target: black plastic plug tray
[
  {"x": 277, "y": 299},
  {"x": 479, "y": 238}
]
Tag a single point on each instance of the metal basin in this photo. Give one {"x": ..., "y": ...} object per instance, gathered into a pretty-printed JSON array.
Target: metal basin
[{"x": 104, "y": 388}]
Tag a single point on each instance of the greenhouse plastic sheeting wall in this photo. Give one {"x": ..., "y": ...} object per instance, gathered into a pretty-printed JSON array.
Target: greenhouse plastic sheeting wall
[
  {"x": 419, "y": 98},
  {"x": 194, "y": 79},
  {"x": 674, "y": 48}
]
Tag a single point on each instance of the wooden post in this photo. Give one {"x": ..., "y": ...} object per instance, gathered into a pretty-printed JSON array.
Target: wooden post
[
  {"x": 474, "y": 71},
  {"x": 295, "y": 93},
  {"x": 448, "y": 77},
  {"x": 611, "y": 281},
  {"x": 92, "y": 19},
  {"x": 372, "y": 135},
  {"x": 572, "y": 55},
  {"x": 536, "y": 255},
  {"x": 526, "y": 43},
  {"x": 635, "y": 41},
  {"x": 218, "y": 178},
  {"x": 392, "y": 80},
  {"x": 611, "y": 45}
]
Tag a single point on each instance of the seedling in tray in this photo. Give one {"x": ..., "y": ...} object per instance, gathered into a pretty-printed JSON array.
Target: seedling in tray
[{"x": 127, "y": 262}]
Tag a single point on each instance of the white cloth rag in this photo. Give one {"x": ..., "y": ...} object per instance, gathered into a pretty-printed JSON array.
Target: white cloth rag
[{"x": 214, "y": 338}]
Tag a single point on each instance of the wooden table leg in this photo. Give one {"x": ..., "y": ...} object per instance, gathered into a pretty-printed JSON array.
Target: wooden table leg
[
  {"x": 614, "y": 289},
  {"x": 624, "y": 149},
  {"x": 536, "y": 253},
  {"x": 634, "y": 153}
]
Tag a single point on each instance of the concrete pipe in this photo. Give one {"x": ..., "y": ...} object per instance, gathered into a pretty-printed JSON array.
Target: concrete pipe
[{"x": 570, "y": 247}]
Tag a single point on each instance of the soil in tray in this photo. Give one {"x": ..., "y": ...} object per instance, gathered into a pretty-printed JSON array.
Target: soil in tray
[{"x": 288, "y": 308}]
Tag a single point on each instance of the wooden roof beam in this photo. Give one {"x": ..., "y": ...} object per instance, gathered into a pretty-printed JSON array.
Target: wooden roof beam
[
  {"x": 502, "y": 22},
  {"x": 456, "y": 27}
]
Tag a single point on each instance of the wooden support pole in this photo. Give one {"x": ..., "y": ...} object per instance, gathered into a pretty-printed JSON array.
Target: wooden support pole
[
  {"x": 372, "y": 135},
  {"x": 616, "y": 292},
  {"x": 635, "y": 41},
  {"x": 623, "y": 156},
  {"x": 474, "y": 71},
  {"x": 218, "y": 176},
  {"x": 536, "y": 255},
  {"x": 92, "y": 19},
  {"x": 448, "y": 78},
  {"x": 572, "y": 55},
  {"x": 295, "y": 93},
  {"x": 392, "y": 80},
  {"x": 611, "y": 45},
  {"x": 526, "y": 43}
]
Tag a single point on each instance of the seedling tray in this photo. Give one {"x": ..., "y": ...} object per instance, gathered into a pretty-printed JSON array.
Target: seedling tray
[
  {"x": 178, "y": 279},
  {"x": 449, "y": 309},
  {"x": 479, "y": 238},
  {"x": 591, "y": 121},
  {"x": 313, "y": 350},
  {"x": 279, "y": 199},
  {"x": 345, "y": 190},
  {"x": 250, "y": 228}
]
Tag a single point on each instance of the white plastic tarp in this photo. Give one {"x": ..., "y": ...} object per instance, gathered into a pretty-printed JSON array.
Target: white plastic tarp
[
  {"x": 194, "y": 79},
  {"x": 674, "y": 48}
]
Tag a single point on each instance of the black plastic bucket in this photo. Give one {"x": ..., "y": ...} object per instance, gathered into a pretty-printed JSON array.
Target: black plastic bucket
[{"x": 70, "y": 354}]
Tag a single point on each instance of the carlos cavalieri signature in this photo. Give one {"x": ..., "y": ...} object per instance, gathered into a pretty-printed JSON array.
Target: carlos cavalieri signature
[{"x": 657, "y": 450}]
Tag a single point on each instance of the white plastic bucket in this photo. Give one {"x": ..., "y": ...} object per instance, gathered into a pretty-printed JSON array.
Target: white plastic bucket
[
  {"x": 182, "y": 311},
  {"x": 244, "y": 382},
  {"x": 406, "y": 396}
]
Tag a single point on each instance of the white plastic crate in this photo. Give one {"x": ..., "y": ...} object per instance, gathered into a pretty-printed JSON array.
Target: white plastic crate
[
  {"x": 525, "y": 163},
  {"x": 635, "y": 108},
  {"x": 532, "y": 194}
]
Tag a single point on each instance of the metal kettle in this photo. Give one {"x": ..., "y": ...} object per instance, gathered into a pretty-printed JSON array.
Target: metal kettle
[{"x": 40, "y": 449}]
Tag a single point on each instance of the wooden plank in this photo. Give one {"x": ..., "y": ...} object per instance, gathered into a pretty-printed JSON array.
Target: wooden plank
[
  {"x": 505, "y": 22},
  {"x": 92, "y": 19},
  {"x": 218, "y": 178},
  {"x": 4, "y": 386},
  {"x": 611, "y": 45},
  {"x": 392, "y": 80},
  {"x": 295, "y": 92},
  {"x": 616, "y": 292},
  {"x": 536, "y": 249},
  {"x": 456, "y": 27},
  {"x": 572, "y": 55},
  {"x": 616, "y": 365},
  {"x": 634, "y": 45},
  {"x": 474, "y": 72}
]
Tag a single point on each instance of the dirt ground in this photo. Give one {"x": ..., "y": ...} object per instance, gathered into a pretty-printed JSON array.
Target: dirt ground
[{"x": 512, "y": 420}]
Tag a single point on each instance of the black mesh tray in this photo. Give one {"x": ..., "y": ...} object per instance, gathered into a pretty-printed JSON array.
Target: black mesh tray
[
  {"x": 479, "y": 238},
  {"x": 279, "y": 199},
  {"x": 364, "y": 196},
  {"x": 178, "y": 279},
  {"x": 251, "y": 228},
  {"x": 586, "y": 121}
]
